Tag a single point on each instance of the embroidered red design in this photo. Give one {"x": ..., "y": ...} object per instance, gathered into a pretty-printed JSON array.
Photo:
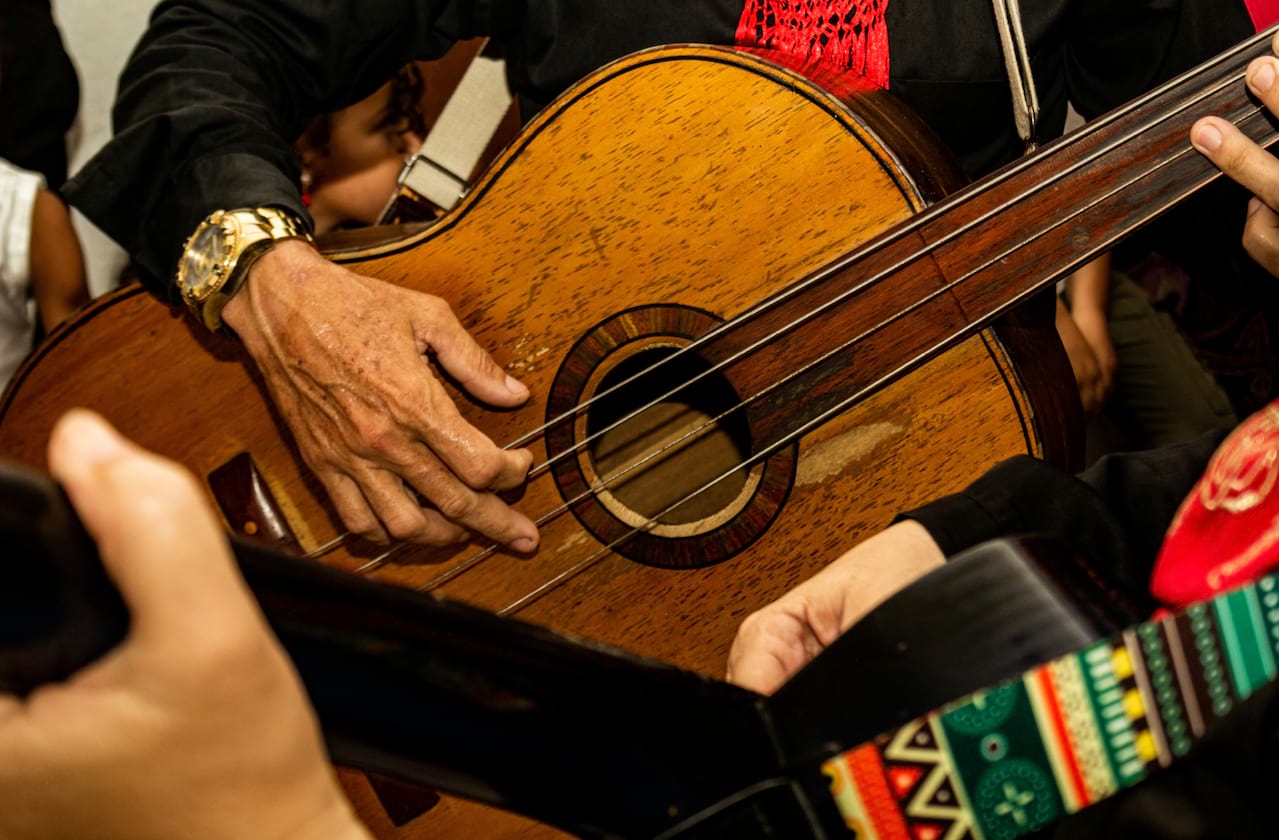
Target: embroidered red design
[
  {"x": 1227, "y": 530},
  {"x": 1244, "y": 469},
  {"x": 847, "y": 36}
]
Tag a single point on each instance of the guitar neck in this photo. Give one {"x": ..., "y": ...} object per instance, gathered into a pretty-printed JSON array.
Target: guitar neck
[
  {"x": 1001, "y": 240},
  {"x": 881, "y": 310}
]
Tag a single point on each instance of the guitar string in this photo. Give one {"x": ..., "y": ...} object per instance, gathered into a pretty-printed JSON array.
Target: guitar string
[
  {"x": 856, "y": 255},
  {"x": 853, "y": 398}
]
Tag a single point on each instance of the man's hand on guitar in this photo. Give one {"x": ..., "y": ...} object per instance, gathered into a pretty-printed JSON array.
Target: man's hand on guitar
[
  {"x": 196, "y": 725},
  {"x": 775, "y": 642},
  {"x": 1249, "y": 164},
  {"x": 344, "y": 359}
]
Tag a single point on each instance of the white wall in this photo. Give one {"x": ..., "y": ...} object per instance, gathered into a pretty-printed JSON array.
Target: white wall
[{"x": 99, "y": 35}]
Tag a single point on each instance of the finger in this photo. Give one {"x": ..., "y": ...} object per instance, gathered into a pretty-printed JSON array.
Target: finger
[
  {"x": 157, "y": 536},
  {"x": 1261, "y": 236},
  {"x": 1261, "y": 76},
  {"x": 758, "y": 671},
  {"x": 463, "y": 357},
  {"x": 351, "y": 506},
  {"x": 400, "y": 513},
  {"x": 771, "y": 646},
  {"x": 1234, "y": 154},
  {"x": 464, "y": 449},
  {"x": 763, "y": 665},
  {"x": 1238, "y": 157},
  {"x": 481, "y": 512}
]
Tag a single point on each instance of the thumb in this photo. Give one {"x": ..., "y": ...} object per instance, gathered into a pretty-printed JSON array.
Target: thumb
[{"x": 158, "y": 537}]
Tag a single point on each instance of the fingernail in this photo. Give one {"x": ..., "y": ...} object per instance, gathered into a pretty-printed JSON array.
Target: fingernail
[
  {"x": 91, "y": 439},
  {"x": 524, "y": 545},
  {"x": 1262, "y": 78},
  {"x": 516, "y": 387},
  {"x": 1254, "y": 205},
  {"x": 1208, "y": 138}
]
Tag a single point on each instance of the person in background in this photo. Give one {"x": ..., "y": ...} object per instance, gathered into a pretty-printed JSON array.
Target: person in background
[
  {"x": 42, "y": 274},
  {"x": 352, "y": 159},
  {"x": 1082, "y": 324},
  {"x": 42, "y": 277},
  {"x": 39, "y": 90}
]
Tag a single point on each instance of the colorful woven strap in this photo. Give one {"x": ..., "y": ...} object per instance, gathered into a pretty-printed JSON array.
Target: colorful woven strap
[{"x": 1007, "y": 761}]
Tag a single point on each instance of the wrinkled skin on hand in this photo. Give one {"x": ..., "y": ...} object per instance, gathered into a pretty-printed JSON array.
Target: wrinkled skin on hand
[
  {"x": 196, "y": 726},
  {"x": 1249, "y": 164},
  {"x": 344, "y": 359},
  {"x": 775, "y": 642}
]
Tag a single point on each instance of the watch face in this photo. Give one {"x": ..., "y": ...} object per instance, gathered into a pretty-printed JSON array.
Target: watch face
[{"x": 204, "y": 261}]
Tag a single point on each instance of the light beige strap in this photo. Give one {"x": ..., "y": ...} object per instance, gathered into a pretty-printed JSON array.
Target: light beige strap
[
  {"x": 439, "y": 172},
  {"x": 1020, "y": 78}
]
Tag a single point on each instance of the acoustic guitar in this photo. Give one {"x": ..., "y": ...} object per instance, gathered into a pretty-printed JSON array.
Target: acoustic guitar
[{"x": 749, "y": 338}]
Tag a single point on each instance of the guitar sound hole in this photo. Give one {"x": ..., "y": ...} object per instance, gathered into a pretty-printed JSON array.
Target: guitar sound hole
[{"x": 673, "y": 448}]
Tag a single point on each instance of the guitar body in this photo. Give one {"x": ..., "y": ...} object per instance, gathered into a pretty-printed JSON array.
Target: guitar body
[{"x": 670, "y": 192}]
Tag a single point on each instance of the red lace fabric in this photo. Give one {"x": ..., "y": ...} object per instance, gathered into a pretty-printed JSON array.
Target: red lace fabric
[{"x": 846, "y": 36}]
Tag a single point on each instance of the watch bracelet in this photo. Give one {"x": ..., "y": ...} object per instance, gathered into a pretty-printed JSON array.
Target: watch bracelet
[{"x": 277, "y": 225}]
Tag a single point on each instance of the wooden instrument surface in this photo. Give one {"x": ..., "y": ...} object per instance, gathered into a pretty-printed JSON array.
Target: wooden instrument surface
[{"x": 669, "y": 192}]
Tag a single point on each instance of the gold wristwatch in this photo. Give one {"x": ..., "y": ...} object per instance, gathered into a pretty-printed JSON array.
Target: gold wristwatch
[{"x": 216, "y": 259}]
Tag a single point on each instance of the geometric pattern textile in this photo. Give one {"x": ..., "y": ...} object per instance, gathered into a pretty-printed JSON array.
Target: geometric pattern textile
[{"x": 1006, "y": 761}]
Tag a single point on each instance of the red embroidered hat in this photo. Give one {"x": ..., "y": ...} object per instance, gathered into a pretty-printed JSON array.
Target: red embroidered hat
[{"x": 1227, "y": 530}]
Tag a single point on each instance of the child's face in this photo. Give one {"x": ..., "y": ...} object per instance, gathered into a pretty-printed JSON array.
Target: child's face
[{"x": 368, "y": 144}]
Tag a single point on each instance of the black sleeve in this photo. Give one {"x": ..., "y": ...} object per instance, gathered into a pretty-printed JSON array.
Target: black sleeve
[
  {"x": 1116, "y": 50},
  {"x": 1115, "y": 514},
  {"x": 215, "y": 92}
]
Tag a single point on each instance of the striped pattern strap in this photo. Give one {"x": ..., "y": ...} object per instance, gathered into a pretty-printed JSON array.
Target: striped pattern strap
[{"x": 1005, "y": 762}]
